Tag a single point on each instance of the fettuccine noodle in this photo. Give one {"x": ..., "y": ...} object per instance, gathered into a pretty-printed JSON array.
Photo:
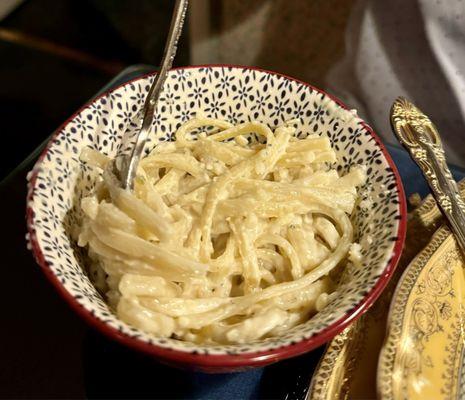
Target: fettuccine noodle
[{"x": 222, "y": 240}]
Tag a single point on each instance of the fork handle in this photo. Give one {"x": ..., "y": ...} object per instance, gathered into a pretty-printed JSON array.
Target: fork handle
[{"x": 177, "y": 22}]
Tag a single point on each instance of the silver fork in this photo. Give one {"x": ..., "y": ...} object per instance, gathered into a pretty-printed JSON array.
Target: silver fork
[{"x": 125, "y": 171}]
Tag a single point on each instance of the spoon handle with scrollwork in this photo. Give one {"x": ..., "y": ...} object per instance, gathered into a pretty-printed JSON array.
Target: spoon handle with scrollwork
[{"x": 420, "y": 137}]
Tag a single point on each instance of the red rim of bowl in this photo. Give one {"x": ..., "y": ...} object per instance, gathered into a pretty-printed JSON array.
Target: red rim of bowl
[{"x": 226, "y": 361}]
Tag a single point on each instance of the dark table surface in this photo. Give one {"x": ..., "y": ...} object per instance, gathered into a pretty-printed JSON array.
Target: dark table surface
[{"x": 47, "y": 351}]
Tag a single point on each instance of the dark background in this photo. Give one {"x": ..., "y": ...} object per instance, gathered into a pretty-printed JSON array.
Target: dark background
[{"x": 55, "y": 55}]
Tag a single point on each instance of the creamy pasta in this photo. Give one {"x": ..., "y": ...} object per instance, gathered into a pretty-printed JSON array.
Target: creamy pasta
[{"x": 224, "y": 239}]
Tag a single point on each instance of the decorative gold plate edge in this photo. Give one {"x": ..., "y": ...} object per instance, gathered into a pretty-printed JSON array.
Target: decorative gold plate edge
[
  {"x": 335, "y": 369},
  {"x": 397, "y": 312}
]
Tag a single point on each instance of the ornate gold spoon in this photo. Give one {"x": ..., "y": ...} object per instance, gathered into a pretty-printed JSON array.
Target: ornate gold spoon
[{"x": 420, "y": 137}]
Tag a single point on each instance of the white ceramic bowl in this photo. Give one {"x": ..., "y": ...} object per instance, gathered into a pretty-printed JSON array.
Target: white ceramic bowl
[{"x": 236, "y": 94}]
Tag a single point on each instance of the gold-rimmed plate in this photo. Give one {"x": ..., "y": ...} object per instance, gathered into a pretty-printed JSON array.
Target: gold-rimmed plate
[
  {"x": 348, "y": 369},
  {"x": 422, "y": 356}
]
